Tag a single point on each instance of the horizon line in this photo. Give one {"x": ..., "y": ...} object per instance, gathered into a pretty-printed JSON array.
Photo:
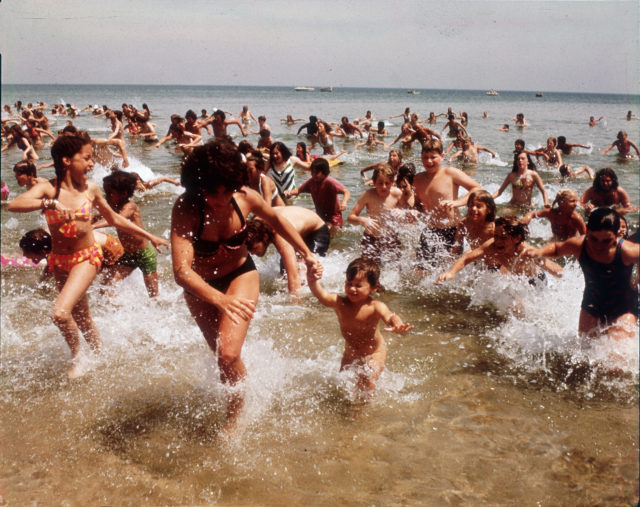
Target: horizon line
[{"x": 318, "y": 86}]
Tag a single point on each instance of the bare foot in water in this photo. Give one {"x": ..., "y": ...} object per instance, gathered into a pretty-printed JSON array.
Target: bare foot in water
[{"x": 81, "y": 364}]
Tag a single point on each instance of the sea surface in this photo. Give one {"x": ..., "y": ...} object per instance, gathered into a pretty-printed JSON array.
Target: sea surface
[{"x": 478, "y": 405}]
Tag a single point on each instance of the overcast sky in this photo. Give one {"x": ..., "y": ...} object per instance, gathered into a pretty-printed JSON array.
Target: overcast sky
[{"x": 509, "y": 45}]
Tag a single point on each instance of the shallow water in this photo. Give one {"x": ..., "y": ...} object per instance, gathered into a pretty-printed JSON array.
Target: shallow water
[{"x": 477, "y": 405}]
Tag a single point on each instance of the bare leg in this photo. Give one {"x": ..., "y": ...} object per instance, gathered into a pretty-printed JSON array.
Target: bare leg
[
  {"x": 226, "y": 338},
  {"x": 151, "y": 283},
  {"x": 72, "y": 287}
]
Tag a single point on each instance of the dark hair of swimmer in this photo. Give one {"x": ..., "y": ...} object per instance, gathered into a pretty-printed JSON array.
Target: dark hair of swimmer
[
  {"x": 604, "y": 219},
  {"x": 320, "y": 165}
]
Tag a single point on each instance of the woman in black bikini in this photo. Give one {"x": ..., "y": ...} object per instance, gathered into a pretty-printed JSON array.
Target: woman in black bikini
[{"x": 210, "y": 258}]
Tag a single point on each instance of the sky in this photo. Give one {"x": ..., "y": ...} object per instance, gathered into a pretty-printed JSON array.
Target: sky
[{"x": 507, "y": 45}]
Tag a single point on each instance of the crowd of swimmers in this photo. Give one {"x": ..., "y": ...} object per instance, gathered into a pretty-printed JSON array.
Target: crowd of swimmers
[{"x": 238, "y": 199}]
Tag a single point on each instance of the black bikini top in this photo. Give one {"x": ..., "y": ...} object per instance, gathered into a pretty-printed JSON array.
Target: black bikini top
[{"x": 207, "y": 248}]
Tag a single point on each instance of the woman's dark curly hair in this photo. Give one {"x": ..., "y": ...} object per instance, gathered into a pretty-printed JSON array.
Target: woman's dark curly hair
[
  {"x": 603, "y": 173},
  {"x": 215, "y": 164}
]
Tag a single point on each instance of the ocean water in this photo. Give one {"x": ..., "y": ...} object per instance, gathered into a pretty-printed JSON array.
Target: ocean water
[{"x": 477, "y": 405}]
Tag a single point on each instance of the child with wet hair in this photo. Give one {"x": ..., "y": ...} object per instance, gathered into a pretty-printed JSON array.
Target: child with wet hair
[
  {"x": 503, "y": 253},
  {"x": 565, "y": 222},
  {"x": 359, "y": 316},
  {"x": 478, "y": 226},
  {"x": 138, "y": 252}
]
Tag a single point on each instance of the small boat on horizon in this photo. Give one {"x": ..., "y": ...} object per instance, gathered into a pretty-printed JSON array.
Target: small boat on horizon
[
  {"x": 413, "y": 92},
  {"x": 539, "y": 94},
  {"x": 304, "y": 89},
  {"x": 327, "y": 89},
  {"x": 492, "y": 92}
]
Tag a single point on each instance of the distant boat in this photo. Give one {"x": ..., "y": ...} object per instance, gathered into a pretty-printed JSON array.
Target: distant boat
[
  {"x": 413, "y": 92},
  {"x": 539, "y": 94},
  {"x": 304, "y": 89},
  {"x": 327, "y": 89},
  {"x": 492, "y": 92}
]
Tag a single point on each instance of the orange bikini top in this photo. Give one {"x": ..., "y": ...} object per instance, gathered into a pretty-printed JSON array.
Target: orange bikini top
[{"x": 70, "y": 228}]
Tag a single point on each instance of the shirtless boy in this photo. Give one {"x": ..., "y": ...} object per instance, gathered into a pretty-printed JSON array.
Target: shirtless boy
[
  {"x": 436, "y": 190},
  {"x": 379, "y": 234},
  {"x": 306, "y": 222}
]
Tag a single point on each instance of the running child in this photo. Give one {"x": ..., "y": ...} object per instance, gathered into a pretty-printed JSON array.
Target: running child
[
  {"x": 119, "y": 187},
  {"x": 359, "y": 316},
  {"x": 379, "y": 234},
  {"x": 437, "y": 193},
  {"x": 503, "y": 253},
  {"x": 565, "y": 222},
  {"x": 324, "y": 191},
  {"x": 478, "y": 226},
  {"x": 76, "y": 258}
]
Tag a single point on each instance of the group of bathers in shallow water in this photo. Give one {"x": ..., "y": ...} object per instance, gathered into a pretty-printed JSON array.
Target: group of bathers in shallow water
[{"x": 212, "y": 238}]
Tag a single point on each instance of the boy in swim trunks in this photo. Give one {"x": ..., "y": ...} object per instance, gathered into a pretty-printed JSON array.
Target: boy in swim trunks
[
  {"x": 436, "y": 191},
  {"x": 312, "y": 229},
  {"x": 138, "y": 252}
]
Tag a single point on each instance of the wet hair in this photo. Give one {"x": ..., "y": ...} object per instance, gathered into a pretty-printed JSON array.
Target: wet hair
[
  {"x": 625, "y": 234},
  {"x": 70, "y": 129},
  {"x": 36, "y": 241},
  {"x": 313, "y": 119},
  {"x": 380, "y": 125},
  {"x": 513, "y": 227},
  {"x": 369, "y": 267},
  {"x": 258, "y": 230},
  {"x": 485, "y": 197},
  {"x": 120, "y": 181},
  {"x": 385, "y": 170},
  {"x": 264, "y": 133},
  {"x": 530, "y": 164},
  {"x": 563, "y": 195},
  {"x": 451, "y": 116},
  {"x": 344, "y": 119},
  {"x": 519, "y": 142},
  {"x": 406, "y": 172},
  {"x": 262, "y": 118},
  {"x": 621, "y": 135},
  {"x": 602, "y": 173},
  {"x": 214, "y": 164},
  {"x": 564, "y": 170},
  {"x": 66, "y": 146},
  {"x": 191, "y": 114},
  {"x": 244, "y": 146},
  {"x": 303, "y": 145},
  {"x": 282, "y": 148},
  {"x": 561, "y": 140},
  {"x": 256, "y": 156},
  {"x": 220, "y": 113},
  {"x": 320, "y": 165},
  {"x": 432, "y": 145},
  {"x": 604, "y": 219},
  {"x": 398, "y": 152},
  {"x": 25, "y": 167}
]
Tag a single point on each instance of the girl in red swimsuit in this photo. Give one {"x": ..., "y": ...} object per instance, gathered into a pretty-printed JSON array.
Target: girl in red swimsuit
[{"x": 75, "y": 257}]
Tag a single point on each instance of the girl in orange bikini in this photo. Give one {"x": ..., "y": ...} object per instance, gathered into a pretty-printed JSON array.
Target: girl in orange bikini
[{"x": 76, "y": 257}]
